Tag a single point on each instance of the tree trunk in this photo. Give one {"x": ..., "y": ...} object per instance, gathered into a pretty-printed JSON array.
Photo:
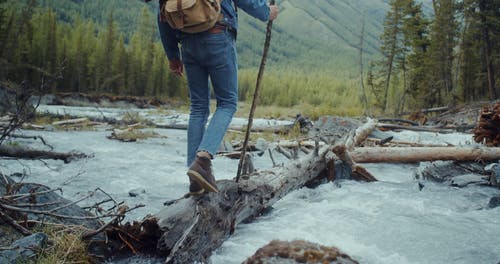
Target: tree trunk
[
  {"x": 196, "y": 226},
  {"x": 419, "y": 154}
]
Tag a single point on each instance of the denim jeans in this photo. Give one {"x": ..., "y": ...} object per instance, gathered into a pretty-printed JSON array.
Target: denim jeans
[{"x": 209, "y": 56}]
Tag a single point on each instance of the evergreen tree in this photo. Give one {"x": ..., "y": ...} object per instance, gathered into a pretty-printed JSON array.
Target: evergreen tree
[
  {"x": 391, "y": 49},
  {"x": 416, "y": 42},
  {"x": 489, "y": 22},
  {"x": 470, "y": 66},
  {"x": 443, "y": 37}
]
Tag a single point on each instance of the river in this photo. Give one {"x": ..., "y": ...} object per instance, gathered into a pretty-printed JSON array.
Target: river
[{"x": 389, "y": 221}]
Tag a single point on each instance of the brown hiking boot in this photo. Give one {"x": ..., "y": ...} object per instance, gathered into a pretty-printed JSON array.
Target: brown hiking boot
[
  {"x": 194, "y": 188},
  {"x": 200, "y": 172}
]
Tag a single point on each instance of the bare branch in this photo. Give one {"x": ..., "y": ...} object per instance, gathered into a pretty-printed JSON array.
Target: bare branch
[{"x": 13, "y": 223}]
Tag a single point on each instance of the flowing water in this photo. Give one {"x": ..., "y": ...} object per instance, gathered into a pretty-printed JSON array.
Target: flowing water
[{"x": 390, "y": 221}]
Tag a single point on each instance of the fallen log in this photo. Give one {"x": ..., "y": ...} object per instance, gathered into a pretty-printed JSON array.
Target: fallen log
[
  {"x": 398, "y": 121},
  {"x": 71, "y": 121},
  {"x": 343, "y": 151},
  {"x": 390, "y": 142},
  {"x": 358, "y": 171},
  {"x": 420, "y": 154},
  {"x": 430, "y": 110},
  {"x": 415, "y": 128},
  {"x": 22, "y": 153},
  {"x": 238, "y": 128},
  {"x": 194, "y": 227}
]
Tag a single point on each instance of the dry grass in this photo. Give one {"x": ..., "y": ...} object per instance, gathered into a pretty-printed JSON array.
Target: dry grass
[{"x": 66, "y": 246}]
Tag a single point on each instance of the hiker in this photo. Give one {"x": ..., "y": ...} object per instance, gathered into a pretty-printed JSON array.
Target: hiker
[{"x": 210, "y": 54}]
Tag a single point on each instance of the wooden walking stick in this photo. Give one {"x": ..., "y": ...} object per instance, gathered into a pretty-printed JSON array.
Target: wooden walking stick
[{"x": 267, "y": 43}]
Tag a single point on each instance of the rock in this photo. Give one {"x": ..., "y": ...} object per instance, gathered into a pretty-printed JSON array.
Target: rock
[
  {"x": 136, "y": 192},
  {"x": 53, "y": 200},
  {"x": 494, "y": 170},
  {"x": 298, "y": 251},
  {"x": 24, "y": 249},
  {"x": 331, "y": 128},
  {"x": 47, "y": 198},
  {"x": 494, "y": 202},
  {"x": 458, "y": 174},
  {"x": 466, "y": 179}
]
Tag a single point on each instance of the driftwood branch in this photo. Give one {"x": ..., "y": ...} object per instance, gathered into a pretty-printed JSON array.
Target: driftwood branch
[
  {"x": 415, "y": 128},
  {"x": 6, "y": 218},
  {"x": 114, "y": 221},
  {"x": 391, "y": 142},
  {"x": 358, "y": 172},
  {"x": 430, "y": 110},
  {"x": 71, "y": 121},
  {"x": 270, "y": 129},
  {"x": 398, "y": 120},
  {"x": 360, "y": 134}
]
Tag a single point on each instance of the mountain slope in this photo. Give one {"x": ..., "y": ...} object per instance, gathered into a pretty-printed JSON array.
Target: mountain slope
[{"x": 309, "y": 35}]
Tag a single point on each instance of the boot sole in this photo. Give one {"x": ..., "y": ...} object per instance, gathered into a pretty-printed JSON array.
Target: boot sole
[
  {"x": 195, "y": 176},
  {"x": 194, "y": 194}
]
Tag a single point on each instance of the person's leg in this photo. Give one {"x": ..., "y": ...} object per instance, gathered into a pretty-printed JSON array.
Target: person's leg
[
  {"x": 199, "y": 95},
  {"x": 218, "y": 55},
  {"x": 224, "y": 76}
]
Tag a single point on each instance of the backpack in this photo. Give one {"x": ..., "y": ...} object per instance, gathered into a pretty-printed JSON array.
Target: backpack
[{"x": 191, "y": 16}]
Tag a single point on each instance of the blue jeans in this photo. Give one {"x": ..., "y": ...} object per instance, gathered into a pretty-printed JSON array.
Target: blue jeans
[{"x": 209, "y": 55}]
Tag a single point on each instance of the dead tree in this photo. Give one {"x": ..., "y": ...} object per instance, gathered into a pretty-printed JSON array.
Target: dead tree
[{"x": 194, "y": 227}]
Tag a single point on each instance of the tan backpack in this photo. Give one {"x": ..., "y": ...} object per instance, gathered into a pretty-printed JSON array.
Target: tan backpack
[{"x": 191, "y": 16}]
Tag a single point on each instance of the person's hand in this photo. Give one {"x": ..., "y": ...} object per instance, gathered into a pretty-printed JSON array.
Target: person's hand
[
  {"x": 273, "y": 12},
  {"x": 176, "y": 67}
]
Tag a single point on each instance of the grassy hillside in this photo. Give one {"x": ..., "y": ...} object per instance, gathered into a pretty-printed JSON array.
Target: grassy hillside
[
  {"x": 316, "y": 35},
  {"x": 309, "y": 35}
]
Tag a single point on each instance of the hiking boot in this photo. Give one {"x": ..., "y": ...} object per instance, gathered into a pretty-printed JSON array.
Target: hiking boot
[
  {"x": 200, "y": 172},
  {"x": 194, "y": 188}
]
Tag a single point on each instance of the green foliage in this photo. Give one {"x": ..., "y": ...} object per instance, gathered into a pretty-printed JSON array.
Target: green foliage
[
  {"x": 479, "y": 71},
  {"x": 419, "y": 66},
  {"x": 89, "y": 58},
  {"x": 439, "y": 60},
  {"x": 444, "y": 33},
  {"x": 314, "y": 93}
]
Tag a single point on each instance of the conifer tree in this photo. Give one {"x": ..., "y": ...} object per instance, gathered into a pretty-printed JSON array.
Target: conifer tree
[
  {"x": 489, "y": 22},
  {"x": 107, "y": 41},
  {"x": 416, "y": 42},
  {"x": 443, "y": 36},
  {"x": 391, "y": 48}
]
